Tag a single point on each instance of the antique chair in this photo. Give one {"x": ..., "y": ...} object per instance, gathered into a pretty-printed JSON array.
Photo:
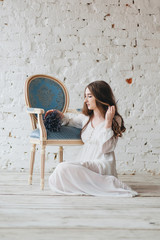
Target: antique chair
[{"x": 43, "y": 93}]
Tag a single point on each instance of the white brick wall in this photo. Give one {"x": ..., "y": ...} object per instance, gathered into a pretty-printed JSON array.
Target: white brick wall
[{"x": 79, "y": 42}]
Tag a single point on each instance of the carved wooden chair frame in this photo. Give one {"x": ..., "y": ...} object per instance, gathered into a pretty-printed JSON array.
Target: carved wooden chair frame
[{"x": 43, "y": 141}]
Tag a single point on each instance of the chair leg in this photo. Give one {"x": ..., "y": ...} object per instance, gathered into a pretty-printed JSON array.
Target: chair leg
[
  {"x": 60, "y": 154},
  {"x": 33, "y": 150},
  {"x": 43, "y": 148}
]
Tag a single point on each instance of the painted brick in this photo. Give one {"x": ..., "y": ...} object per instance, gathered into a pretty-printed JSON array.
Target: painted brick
[{"x": 79, "y": 42}]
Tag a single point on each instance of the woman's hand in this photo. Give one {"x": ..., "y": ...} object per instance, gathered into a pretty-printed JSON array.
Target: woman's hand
[{"x": 109, "y": 116}]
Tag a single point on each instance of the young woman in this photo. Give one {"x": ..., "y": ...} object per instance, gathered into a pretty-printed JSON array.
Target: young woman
[{"x": 95, "y": 172}]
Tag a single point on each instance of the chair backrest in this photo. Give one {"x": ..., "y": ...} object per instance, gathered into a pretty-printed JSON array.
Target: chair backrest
[{"x": 43, "y": 91}]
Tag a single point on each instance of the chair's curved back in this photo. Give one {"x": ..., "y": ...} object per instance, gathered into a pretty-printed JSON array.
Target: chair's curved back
[{"x": 43, "y": 91}]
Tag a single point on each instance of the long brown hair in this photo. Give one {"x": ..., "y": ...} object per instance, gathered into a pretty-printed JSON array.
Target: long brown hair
[{"x": 104, "y": 98}]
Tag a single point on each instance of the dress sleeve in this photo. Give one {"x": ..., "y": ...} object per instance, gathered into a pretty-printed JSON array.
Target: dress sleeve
[
  {"x": 107, "y": 140},
  {"x": 77, "y": 121}
]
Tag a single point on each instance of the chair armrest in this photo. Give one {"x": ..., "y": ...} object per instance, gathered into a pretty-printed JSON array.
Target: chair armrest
[
  {"x": 78, "y": 110},
  {"x": 35, "y": 111},
  {"x": 39, "y": 111}
]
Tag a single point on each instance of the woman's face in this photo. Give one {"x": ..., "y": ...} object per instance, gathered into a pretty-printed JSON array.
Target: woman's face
[{"x": 90, "y": 100}]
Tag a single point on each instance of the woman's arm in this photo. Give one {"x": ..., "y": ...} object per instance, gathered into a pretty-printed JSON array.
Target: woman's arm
[
  {"x": 110, "y": 145},
  {"x": 74, "y": 121},
  {"x": 108, "y": 140},
  {"x": 77, "y": 121}
]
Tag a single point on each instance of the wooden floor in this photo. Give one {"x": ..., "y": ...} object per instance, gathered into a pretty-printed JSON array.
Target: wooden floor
[{"x": 26, "y": 212}]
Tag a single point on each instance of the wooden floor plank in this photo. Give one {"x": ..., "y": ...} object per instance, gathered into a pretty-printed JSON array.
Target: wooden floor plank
[
  {"x": 72, "y": 234},
  {"x": 68, "y": 218}
]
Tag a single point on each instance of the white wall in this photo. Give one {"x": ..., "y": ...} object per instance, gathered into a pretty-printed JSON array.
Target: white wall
[{"x": 79, "y": 42}]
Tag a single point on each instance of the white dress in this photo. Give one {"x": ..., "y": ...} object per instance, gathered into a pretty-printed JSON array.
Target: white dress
[{"x": 95, "y": 172}]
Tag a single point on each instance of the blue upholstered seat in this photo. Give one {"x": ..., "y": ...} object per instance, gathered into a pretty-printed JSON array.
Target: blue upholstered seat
[{"x": 66, "y": 132}]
